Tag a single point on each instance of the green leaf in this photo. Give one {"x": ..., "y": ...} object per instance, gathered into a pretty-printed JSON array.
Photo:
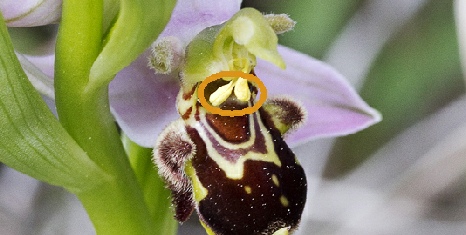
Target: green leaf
[
  {"x": 32, "y": 141},
  {"x": 118, "y": 206},
  {"x": 139, "y": 23}
]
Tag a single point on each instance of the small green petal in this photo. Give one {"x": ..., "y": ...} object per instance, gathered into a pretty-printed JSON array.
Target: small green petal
[{"x": 280, "y": 23}]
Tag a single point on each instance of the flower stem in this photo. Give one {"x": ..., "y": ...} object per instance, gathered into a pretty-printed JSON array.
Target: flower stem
[
  {"x": 156, "y": 195},
  {"x": 117, "y": 207}
]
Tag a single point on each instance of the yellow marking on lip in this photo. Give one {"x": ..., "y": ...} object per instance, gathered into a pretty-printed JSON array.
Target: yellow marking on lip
[
  {"x": 282, "y": 231},
  {"x": 284, "y": 201},
  {"x": 235, "y": 170},
  {"x": 200, "y": 192},
  {"x": 275, "y": 180},
  {"x": 248, "y": 189},
  {"x": 207, "y": 229},
  {"x": 296, "y": 161}
]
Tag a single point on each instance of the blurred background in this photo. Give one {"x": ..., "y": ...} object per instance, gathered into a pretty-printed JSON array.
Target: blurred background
[{"x": 404, "y": 175}]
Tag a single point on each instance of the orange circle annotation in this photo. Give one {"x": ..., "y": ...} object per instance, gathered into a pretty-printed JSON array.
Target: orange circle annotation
[{"x": 232, "y": 113}]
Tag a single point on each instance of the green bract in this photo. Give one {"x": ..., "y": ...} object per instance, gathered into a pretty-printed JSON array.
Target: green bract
[
  {"x": 232, "y": 45},
  {"x": 31, "y": 139},
  {"x": 139, "y": 22},
  {"x": 83, "y": 152}
]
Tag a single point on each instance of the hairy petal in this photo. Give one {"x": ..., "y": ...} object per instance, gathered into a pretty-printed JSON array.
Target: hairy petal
[
  {"x": 189, "y": 17},
  {"x": 29, "y": 13},
  {"x": 143, "y": 103},
  {"x": 334, "y": 108},
  {"x": 192, "y": 16}
]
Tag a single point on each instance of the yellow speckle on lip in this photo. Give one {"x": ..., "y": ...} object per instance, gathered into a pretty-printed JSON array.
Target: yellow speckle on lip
[
  {"x": 200, "y": 192},
  {"x": 275, "y": 180},
  {"x": 207, "y": 229},
  {"x": 282, "y": 231},
  {"x": 284, "y": 201},
  {"x": 248, "y": 189}
]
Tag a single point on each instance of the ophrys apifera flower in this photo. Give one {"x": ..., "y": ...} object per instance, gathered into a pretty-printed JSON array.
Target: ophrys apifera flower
[
  {"x": 143, "y": 103},
  {"x": 237, "y": 172}
]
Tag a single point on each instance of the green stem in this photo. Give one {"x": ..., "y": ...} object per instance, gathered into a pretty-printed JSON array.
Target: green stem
[
  {"x": 156, "y": 195},
  {"x": 118, "y": 206}
]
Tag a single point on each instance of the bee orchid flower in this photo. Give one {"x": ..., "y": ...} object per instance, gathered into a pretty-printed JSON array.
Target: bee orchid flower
[
  {"x": 233, "y": 170},
  {"x": 238, "y": 173},
  {"x": 143, "y": 102}
]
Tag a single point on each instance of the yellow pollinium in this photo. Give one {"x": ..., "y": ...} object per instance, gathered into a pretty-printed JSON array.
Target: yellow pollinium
[{"x": 237, "y": 86}]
